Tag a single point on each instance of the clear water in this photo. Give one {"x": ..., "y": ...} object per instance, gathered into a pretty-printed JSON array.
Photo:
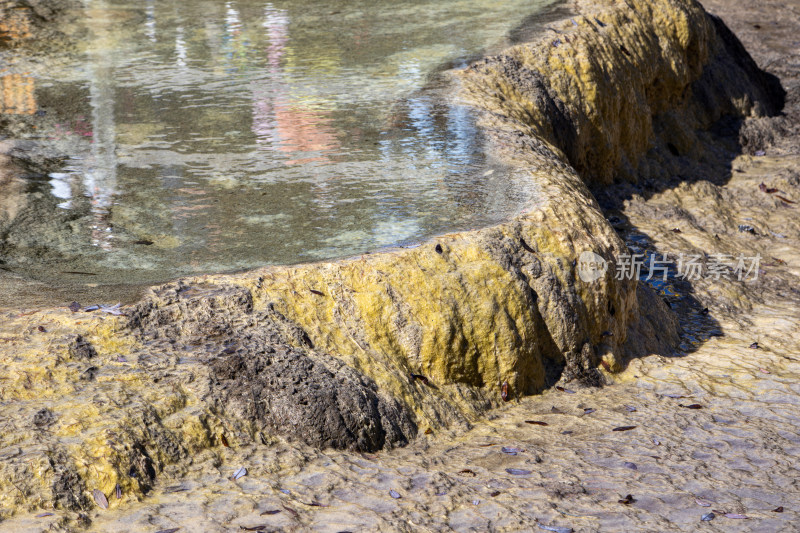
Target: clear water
[{"x": 206, "y": 136}]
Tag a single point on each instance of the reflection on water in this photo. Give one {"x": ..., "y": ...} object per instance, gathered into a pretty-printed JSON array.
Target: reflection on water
[{"x": 204, "y": 135}]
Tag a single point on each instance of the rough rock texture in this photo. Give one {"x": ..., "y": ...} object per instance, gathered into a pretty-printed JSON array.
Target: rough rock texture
[
  {"x": 362, "y": 352},
  {"x": 683, "y": 71},
  {"x": 319, "y": 401},
  {"x": 264, "y": 375}
]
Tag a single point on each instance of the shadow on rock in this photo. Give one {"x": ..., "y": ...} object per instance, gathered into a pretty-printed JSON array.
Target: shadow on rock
[{"x": 304, "y": 396}]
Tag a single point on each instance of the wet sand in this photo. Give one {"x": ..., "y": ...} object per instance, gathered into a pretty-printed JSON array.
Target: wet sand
[{"x": 735, "y": 454}]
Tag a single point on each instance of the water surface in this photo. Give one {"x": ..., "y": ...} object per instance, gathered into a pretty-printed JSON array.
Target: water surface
[{"x": 206, "y": 136}]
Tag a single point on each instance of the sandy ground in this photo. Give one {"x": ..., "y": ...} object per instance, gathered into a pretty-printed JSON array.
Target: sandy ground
[{"x": 713, "y": 431}]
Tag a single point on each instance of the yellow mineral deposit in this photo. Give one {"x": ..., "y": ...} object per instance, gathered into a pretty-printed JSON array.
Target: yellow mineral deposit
[{"x": 433, "y": 334}]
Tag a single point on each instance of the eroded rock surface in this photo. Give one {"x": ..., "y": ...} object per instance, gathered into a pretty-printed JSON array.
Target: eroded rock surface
[
  {"x": 367, "y": 352},
  {"x": 264, "y": 377},
  {"x": 315, "y": 399}
]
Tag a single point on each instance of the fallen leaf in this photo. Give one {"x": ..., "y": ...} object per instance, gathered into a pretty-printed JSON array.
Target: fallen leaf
[
  {"x": 518, "y": 471},
  {"x": 504, "y": 391},
  {"x": 708, "y": 517},
  {"x": 526, "y": 247},
  {"x": 317, "y": 504},
  {"x": 630, "y": 408},
  {"x": 778, "y": 510},
  {"x": 536, "y": 422},
  {"x": 630, "y": 465},
  {"x": 394, "y": 494},
  {"x": 627, "y": 500},
  {"x": 509, "y": 450},
  {"x": 784, "y": 199},
  {"x": 676, "y": 230},
  {"x": 112, "y": 309},
  {"x": 224, "y": 440},
  {"x": 239, "y": 473},
  {"x": 100, "y": 498},
  {"x": 271, "y": 512},
  {"x": 754, "y": 346},
  {"x": 562, "y": 389},
  {"x": 624, "y": 428},
  {"x": 691, "y": 406},
  {"x": 702, "y": 503},
  {"x": 497, "y": 493},
  {"x": 292, "y": 511},
  {"x": 41, "y": 329}
]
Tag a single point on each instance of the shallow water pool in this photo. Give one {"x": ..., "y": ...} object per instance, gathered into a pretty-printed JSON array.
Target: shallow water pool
[{"x": 207, "y": 136}]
